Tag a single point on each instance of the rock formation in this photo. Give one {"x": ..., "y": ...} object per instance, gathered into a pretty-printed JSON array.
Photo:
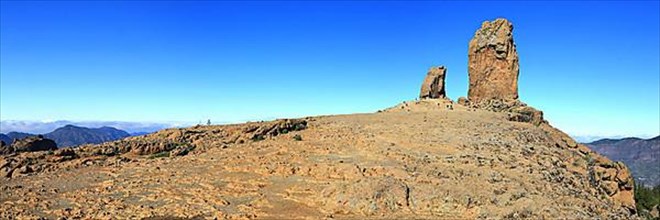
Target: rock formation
[
  {"x": 433, "y": 86},
  {"x": 642, "y": 155},
  {"x": 493, "y": 73},
  {"x": 493, "y": 63},
  {"x": 33, "y": 143},
  {"x": 5, "y": 149},
  {"x": 429, "y": 162},
  {"x": 423, "y": 159}
]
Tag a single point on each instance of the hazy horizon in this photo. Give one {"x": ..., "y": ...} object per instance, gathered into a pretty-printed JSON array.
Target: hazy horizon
[
  {"x": 42, "y": 127},
  {"x": 593, "y": 69}
]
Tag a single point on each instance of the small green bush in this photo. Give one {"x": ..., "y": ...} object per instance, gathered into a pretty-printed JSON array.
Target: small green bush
[
  {"x": 646, "y": 199},
  {"x": 297, "y": 137},
  {"x": 258, "y": 138},
  {"x": 299, "y": 127},
  {"x": 160, "y": 154}
]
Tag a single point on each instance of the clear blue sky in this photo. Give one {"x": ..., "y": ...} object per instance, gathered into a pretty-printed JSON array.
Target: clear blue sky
[{"x": 592, "y": 67}]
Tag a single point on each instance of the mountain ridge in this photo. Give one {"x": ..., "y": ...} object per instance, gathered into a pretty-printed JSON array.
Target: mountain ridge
[{"x": 71, "y": 135}]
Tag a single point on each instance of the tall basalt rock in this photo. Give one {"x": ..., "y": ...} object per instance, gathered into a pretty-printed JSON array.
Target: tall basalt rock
[
  {"x": 493, "y": 63},
  {"x": 433, "y": 86}
]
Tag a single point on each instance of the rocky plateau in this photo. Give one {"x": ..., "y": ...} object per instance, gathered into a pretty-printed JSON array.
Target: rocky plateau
[{"x": 485, "y": 156}]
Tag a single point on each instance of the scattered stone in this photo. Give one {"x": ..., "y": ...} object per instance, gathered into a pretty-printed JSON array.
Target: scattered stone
[
  {"x": 5, "y": 149},
  {"x": 25, "y": 169},
  {"x": 569, "y": 141},
  {"x": 64, "y": 152},
  {"x": 181, "y": 150},
  {"x": 6, "y": 172},
  {"x": 463, "y": 101}
]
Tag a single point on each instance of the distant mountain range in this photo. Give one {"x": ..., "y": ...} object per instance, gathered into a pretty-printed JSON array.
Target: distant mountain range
[
  {"x": 641, "y": 155},
  {"x": 42, "y": 127},
  {"x": 71, "y": 135},
  {"x": 139, "y": 133}
]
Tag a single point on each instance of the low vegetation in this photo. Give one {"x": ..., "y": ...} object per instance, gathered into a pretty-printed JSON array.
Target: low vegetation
[
  {"x": 159, "y": 155},
  {"x": 258, "y": 138},
  {"x": 647, "y": 199}
]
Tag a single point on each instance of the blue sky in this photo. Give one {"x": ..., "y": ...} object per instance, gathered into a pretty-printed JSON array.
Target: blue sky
[{"x": 592, "y": 67}]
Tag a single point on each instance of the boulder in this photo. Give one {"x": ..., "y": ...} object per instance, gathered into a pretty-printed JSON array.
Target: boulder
[
  {"x": 493, "y": 63},
  {"x": 34, "y": 143},
  {"x": 610, "y": 187},
  {"x": 64, "y": 152},
  {"x": 433, "y": 86},
  {"x": 463, "y": 101},
  {"x": 5, "y": 149},
  {"x": 655, "y": 212},
  {"x": 527, "y": 114},
  {"x": 181, "y": 150}
]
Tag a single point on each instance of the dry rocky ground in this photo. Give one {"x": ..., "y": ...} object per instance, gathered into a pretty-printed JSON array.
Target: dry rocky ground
[
  {"x": 420, "y": 159},
  {"x": 486, "y": 156}
]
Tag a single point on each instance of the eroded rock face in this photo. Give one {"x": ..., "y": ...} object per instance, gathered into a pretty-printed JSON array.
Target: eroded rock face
[
  {"x": 34, "y": 143},
  {"x": 607, "y": 177},
  {"x": 175, "y": 142},
  {"x": 433, "y": 86},
  {"x": 526, "y": 114},
  {"x": 5, "y": 149},
  {"x": 493, "y": 62},
  {"x": 493, "y": 71}
]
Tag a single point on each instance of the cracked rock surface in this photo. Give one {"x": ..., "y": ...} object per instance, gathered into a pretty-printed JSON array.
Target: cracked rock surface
[
  {"x": 421, "y": 160},
  {"x": 493, "y": 62}
]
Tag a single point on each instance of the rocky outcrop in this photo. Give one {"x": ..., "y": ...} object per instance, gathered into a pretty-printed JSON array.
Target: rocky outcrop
[
  {"x": 33, "y": 143},
  {"x": 430, "y": 164},
  {"x": 526, "y": 114},
  {"x": 425, "y": 159},
  {"x": 493, "y": 63},
  {"x": 5, "y": 149},
  {"x": 493, "y": 71},
  {"x": 433, "y": 86},
  {"x": 609, "y": 178},
  {"x": 173, "y": 142},
  {"x": 612, "y": 178},
  {"x": 421, "y": 105},
  {"x": 642, "y": 155},
  {"x": 516, "y": 110}
]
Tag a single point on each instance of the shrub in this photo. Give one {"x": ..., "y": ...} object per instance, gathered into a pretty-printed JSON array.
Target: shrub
[
  {"x": 646, "y": 199},
  {"x": 160, "y": 154},
  {"x": 300, "y": 126},
  {"x": 258, "y": 138},
  {"x": 297, "y": 137},
  {"x": 182, "y": 150}
]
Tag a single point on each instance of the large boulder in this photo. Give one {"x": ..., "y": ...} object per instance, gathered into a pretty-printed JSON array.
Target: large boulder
[
  {"x": 493, "y": 63},
  {"x": 526, "y": 114},
  {"x": 33, "y": 143},
  {"x": 433, "y": 86},
  {"x": 5, "y": 149}
]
